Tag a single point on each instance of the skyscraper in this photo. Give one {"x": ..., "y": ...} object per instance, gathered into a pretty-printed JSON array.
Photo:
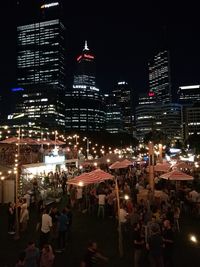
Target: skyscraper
[
  {"x": 123, "y": 96},
  {"x": 114, "y": 120},
  {"x": 41, "y": 69},
  {"x": 189, "y": 97},
  {"x": 160, "y": 77},
  {"x": 84, "y": 109},
  {"x": 189, "y": 94}
]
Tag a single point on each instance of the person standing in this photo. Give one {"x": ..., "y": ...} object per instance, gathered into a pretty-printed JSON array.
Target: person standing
[
  {"x": 21, "y": 260},
  {"x": 168, "y": 238},
  {"x": 31, "y": 255},
  {"x": 46, "y": 225},
  {"x": 92, "y": 255},
  {"x": 138, "y": 242},
  {"x": 62, "y": 230},
  {"x": 47, "y": 256},
  {"x": 155, "y": 246},
  {"x": 24, "y": 216},
  {"x": 79, "y": 197},
  {"x": 11, "y": 218},
  {"x": 101, "y": 207}
]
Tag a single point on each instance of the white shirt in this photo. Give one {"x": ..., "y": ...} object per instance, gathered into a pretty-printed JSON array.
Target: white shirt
[
  {"x": 102, "y": 199},
  {"x": 79, "y": 193},
  {"x": 46, "y": 223},
  {"x": 194, "y": 195},
  {"x": 122, "y": 215}
]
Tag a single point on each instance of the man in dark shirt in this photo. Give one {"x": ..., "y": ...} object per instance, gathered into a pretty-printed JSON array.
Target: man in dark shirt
[
  {"x": 138, "y": 242},
  {"x": 155, "y": 247},
  {"x": 168, "y": 238},
  {"x": 92, "y": 255}
]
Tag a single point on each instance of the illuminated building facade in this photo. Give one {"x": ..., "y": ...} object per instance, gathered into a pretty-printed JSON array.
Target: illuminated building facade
[
  {"x": 166, "y": 118},
  {"x": 160, "y": 78},
  {"x": 114, "y": 119},
  {"x": 84, "y": 104},
  {"x": 189, "y": 94},
  {"x": 123, "y": 96},
  {"x": 189, "y": 97},
  {"x": 192, "y": 119},
  {"x": 41, "y": 70}
]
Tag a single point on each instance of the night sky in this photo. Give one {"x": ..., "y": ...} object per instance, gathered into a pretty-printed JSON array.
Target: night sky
[{"x": 123, "y": 38}]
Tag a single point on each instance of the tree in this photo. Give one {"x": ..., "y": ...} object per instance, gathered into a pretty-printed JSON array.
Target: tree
[
  {"x": 156, "y": 137},
  {"x": 193, "y": 142}
]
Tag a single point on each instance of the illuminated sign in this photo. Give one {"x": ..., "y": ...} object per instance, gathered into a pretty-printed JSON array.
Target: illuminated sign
[
  {"x": 54, "y": 159},
  {"x": 151, "y": 94},
  {"x": 17, "y": 89},
  {"x": 174, "y": 150},
  {"x": 190, "y": 87},
  {"x": 49, "y": 5},
  {"x": 85, "y": 56}
]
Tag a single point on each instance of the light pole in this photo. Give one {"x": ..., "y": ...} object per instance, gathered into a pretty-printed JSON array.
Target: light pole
[
  {"x": 119, "y": 222},
  {"x": 2, "y": 189},
  {"x": 87, "y": 146},
  {"x": 151, "y": 165},
  {"x": 16, "y": 187}
]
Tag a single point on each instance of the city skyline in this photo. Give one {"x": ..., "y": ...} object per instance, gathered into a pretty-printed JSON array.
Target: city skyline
[{"x": 123, "y": 43}]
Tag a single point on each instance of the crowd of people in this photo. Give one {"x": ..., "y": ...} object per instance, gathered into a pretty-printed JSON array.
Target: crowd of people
[{"x": 149, "y": 224}]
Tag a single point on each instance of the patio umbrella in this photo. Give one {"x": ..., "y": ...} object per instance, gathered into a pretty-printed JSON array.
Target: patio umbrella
[
  {"x": 108, "y": 158},
  {"x": 120, "y": 165},
  {"x": 127, "y": 162},
  {"x": 160, "y": 167},
  {"x": 50, "y": 142},
  {"x": 182, "y": 165},
  {"x": 94, "y": 177},
  {"x": 16, "y": 140},
  {"x": 176, "y": 176}
]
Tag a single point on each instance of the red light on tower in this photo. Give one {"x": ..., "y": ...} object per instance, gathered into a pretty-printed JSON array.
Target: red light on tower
[
  {"x": 78, "y": 58},
  {"x": 151, "y": 94},
  {"x": 88, "y": 56}
]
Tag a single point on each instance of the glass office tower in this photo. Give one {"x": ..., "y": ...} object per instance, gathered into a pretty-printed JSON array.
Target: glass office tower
[
  {"x": 41, "y": 70},
  {"x": 160, "y": 78},
  {"x": 84, "y": 109}
]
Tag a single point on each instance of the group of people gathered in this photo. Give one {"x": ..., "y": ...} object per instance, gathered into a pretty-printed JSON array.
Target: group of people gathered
[{"x": 148, "y": 225}]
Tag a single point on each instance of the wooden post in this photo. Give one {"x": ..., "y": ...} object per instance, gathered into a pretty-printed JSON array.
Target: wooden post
[
  {"x": 120, "y": 244},
  {"x": 151, "y": 165},
  {"x": 160, "y": 147}
]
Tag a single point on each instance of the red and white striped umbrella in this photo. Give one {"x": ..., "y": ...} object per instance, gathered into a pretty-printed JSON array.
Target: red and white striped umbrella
[
  {"x": 182, "y": 165},
  {"x": 120, "y": 164},
  {"x": 176, "y": 176},
  {"x": 94, "y": 177},
  {"x": 16, "y": 140}
]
